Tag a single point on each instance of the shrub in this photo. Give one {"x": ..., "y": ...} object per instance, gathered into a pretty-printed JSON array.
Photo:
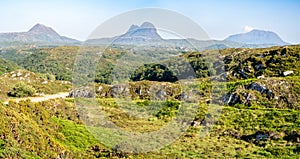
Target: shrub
[
  {"x": 169, "y": 110},
  {"x": 21, "y": 89}
]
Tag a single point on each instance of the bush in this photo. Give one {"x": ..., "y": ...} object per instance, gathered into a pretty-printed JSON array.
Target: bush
[
  {"x": 169, "y": 110},
  {"x": 21, "y": 89},
  {"x": 153, "y": 72}
]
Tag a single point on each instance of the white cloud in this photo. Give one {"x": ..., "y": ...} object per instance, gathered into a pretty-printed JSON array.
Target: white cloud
[{"x": 248, "y": 28}]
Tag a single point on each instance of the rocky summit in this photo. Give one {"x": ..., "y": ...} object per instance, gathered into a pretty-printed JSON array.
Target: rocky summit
[{"x": 144, "y": 33}]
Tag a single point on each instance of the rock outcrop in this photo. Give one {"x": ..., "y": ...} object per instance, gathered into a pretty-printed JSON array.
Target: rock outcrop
[{"x": 81, "y": 93}]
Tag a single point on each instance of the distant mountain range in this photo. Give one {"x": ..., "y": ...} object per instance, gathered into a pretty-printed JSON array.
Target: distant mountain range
[
  {"x": 257, "y": 37},
  {"x": 37, "y": 34},
  {"x": 146, "y": 34}
]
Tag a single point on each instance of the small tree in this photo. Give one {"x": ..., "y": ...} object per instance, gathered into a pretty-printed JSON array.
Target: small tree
[{"x": 21, "y": 89}]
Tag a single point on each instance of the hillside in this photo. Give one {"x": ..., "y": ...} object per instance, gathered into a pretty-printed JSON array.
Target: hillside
[
  {"x": 227, "y": 64},
  {"x": 259, "y": 101},
  {"x": 260, "y": 63},
  {"x": 7, "y": 66},
  {"x": 233, "y": 64},
  {"x": 17, "y": 84},
  {"x": 40, "y": 130}
]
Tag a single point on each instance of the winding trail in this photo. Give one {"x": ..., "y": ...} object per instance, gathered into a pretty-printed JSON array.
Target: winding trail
[{"x": 39, "y": 99}]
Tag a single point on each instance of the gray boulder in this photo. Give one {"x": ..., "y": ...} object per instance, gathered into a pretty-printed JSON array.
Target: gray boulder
[
  {"x": 261, "y": 89},
  {"x": 120, "y": 90},
  {"x": 81, "y": 93},
  {"x": 231, "y": 99}
]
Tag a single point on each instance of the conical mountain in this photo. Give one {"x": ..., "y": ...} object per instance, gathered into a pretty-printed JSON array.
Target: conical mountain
[
  {"x": 37, "y": 34},
  {"x": 42, "y": 29}
]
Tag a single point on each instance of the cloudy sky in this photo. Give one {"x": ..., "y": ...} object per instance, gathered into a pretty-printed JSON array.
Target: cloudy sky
[{"x": 219, "y": 18}]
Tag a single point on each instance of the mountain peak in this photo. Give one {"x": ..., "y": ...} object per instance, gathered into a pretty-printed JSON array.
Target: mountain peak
[
  {"x": 256, "y": 36},
  {"x": 42, "y": 29},
  {"x": 38, "y": 25},
  {"x": 261, "y": 31},
  {"x": 147, "y": 25},
  {"x": 133, "y": 27},
  {"x": 135, "y": 33}
]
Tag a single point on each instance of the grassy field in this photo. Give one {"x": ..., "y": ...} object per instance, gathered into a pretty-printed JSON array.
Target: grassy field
[{"x": 52, "y": 128}]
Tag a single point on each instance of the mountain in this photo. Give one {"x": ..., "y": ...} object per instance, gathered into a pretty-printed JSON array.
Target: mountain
[
  {"x": 257, "y": 37},
  {"x": 37, "y": 34},
  {"x": 139, "y": 34},
  {"x": 144, "y": 34},
  {"x": 146, "y": 31}
]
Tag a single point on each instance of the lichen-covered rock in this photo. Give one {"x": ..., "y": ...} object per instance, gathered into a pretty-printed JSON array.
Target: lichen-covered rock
[
  {"x": 261, "y": 89},
  {"x": 120, "y": 90},
  {"x": 231, "y": 99},
  {"x": 81, "y": 93},
  {"x": 267, "y": 92}
]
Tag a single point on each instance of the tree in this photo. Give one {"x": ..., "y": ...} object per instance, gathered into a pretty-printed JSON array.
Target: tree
[{"x": 153, "y": 72}]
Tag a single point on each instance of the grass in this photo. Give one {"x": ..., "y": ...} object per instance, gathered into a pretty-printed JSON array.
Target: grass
[
  {"x": 233, "y": 136},
  {"x": 228, "y": 138},
  {"x": 264, "y": 128},
  {"x": 75, "y": 137}
]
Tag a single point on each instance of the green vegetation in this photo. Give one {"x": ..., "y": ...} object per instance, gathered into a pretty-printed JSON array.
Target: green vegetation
[
  {"x": 153, "y": 72},
  {"x": 39, "y": 130},
  {"x": 7, "y": 66},
  {"x": 21, "y": 83},
  {"x": 259, "y": 117},
  {"x": 21, "y": 89},
  {"x": 267, "y": 62},
  {"x": 56, "y": 61},
  {"x": 237, "y": 63},
  {"x": 35, "y": 130}
]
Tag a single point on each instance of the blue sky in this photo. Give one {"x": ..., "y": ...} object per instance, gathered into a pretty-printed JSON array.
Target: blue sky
[{"x": 219, "y": 18}]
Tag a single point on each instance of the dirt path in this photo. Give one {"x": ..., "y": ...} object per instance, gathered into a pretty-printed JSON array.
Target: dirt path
[{"x": 39, "y": 99}]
